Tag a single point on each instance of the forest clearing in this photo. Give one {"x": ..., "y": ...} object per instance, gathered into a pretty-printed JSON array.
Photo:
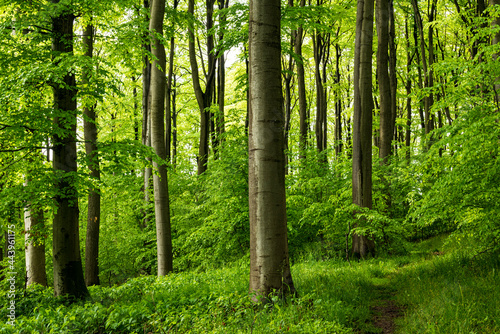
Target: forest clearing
[{"x": 249, "y": 166}]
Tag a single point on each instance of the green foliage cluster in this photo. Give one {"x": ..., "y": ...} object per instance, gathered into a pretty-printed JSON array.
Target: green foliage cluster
[{"x": 210, "y": 213}]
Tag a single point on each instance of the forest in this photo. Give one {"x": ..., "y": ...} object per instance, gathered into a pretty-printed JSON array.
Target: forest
[{"x": 261, "y": 166}]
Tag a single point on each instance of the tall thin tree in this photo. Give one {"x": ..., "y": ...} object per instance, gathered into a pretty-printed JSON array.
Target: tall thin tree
[
  {"x": 160, "y": 180},
  {"x": 362, "y": 245},
  {"x": 146, "y": 117},
  {"x": 301, "y": 89},
  {"x": 94, "y": 199},
  {"x": 384, "y": 83},
  {"x": 321, "y": 51}
]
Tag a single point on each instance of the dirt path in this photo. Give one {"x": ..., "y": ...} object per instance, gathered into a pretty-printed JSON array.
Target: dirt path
[{"x": 385, "y": 310}]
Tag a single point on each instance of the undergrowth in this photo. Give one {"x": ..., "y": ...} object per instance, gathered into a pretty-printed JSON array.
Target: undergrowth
[
  {"x": 442, "y": 290},
  {"x": 452, "y": 292}
]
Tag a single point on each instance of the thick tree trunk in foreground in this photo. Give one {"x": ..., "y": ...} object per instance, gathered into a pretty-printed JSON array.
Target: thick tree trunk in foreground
[
  {"x": 68, "y": 272},
  {"x": 269, "y": 263},
  {"x": 160, "y": 181},
  {"x": 94, "y": 200},
  {"x": 362, "y": 245}
]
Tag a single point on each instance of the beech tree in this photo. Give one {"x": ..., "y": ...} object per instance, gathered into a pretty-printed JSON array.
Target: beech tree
[
  {"x": 94, "y": 198},
  {"x": 301, "y": 87},
  {"x": 35, "y": 244},
  {"x": 269, "y": 263},
  {"x": 387, "y": 111},
  {"x": 146, "y": 114},
  {"x": 321, "y": 46},
  {"x": 160, "y": 180},
  {"x": 68, "y": 272},
  {"x": 362, "y": 245}
]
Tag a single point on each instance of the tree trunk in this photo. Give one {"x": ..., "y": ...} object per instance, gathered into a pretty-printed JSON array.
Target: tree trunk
[
  {"x": 204, "y": 99},
  {"x": 386, "y": 124},
  {"x": 321, "y": 46},
  {"x": 174, "y": 125},
  {"x": 338, "y": 101},
  {"x": 168, "y": 99},
  {"x": 160, "y": 180},
  {"x": 269, "y": 262},
  {"x": 287, "y": 77},
  {"x": 136, "y": 111},
  {"x": 392, "y": 65},
  {"x": 408, "y": 87},
  {"x": 168, "y": 95},
  {"x": 362, "y": 245},
  {"x": 301, "y": 87},
  {"x": 221, "y": 75},
  {"x": 35, "y": 245},
  {"x": 427, "y": 69},
  {"x": 68, "y": 272},
  {"x": 146, "y": 119},
  {"x": 94, "y": 199}
]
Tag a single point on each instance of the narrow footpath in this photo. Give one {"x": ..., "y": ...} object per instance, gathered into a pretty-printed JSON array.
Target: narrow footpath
[{"x": 385, "y": 310}]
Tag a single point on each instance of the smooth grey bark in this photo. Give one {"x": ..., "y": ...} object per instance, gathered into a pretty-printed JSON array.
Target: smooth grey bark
[
  {"x": 94, "y": 198},
  {"x": 68, "y": 272},
  {"x": 269, "y": 262},
  {"x": 160, "y": 180},
  {"x": 362, "y": 245},
  {"x": 34, "y": 245}
]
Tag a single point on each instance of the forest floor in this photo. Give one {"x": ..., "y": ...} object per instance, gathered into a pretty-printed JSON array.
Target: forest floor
[
  {"x": 432, "y": 289},
  {"x": 384, "y": 308}
]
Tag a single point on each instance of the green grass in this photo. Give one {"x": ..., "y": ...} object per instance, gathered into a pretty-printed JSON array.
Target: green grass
[{"x": 450, "y": 293}]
